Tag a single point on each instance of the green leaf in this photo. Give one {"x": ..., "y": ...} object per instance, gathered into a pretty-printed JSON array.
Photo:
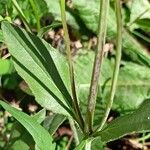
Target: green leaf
[
  {"x": 53, "y": 9},
  {"x": 140, "y": 9},
  {"x": 51, "y": 123},
  {"x": 1, "y": 36},
  {"x": 41, "y": 7},
  {"x": 139, "y": 121},
  {"x": 42, "y": 67},
  {"x": 2, "y": 7},
  {"x": 42, "y": 138},
  {"x": 17, "y": 144},
  {"x": 1, "y": 19},
  {"x": 40, "y": 116},
  {"x": 20, "y": 136},
  {"x": 5, "y": 66},
  {"x": 144, "y": 24},
  {"x": 132, "y": 89},
  {"x": 131, "y": 48}
]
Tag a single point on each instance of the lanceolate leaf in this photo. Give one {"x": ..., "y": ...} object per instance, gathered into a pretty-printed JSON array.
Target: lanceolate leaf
[
  {"x": 20, "y": 137},
  {"x": 138, "y": 121},
  {"x": 89, "y": 11},
  {"x": 42, "y": 138},
  {"x": 43, "y": 68},
  {"x": 40, "y": 116}
]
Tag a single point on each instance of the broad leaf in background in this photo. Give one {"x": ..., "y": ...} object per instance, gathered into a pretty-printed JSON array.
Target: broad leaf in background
[
  {"x": 139, "y": 121},
  {"x": 43, "y": 68},
  {"x": 41, "y": 137},
  {"x": 140, "y": 9},
  {"x": 132, "y": 89},
  {"x": 88, "y": 11},
  {"x": 1, "y": 36},
  {"x": 140, "y": 18},
  {"x": 2, "y": 6},
  {"x": 41, "y": 7}
]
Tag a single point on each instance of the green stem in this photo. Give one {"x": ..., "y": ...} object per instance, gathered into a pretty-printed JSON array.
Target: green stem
[
  {"x": 72, "y": 124},
  {"x": 104, "y": 6},
  {"x": 36, "y": 14},
  {"x": 88, "y": 145},
  {"x": 75, "y": 105},
  {"x": 21, "y": 15},
  {"x": 117, "y": 63}
]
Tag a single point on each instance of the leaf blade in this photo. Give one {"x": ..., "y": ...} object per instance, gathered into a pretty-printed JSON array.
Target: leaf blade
[
  {"x": 39, "y": 66},
  {"x": 132, "y": 89},
  {"x": 138, "y": 121},
  {"x": 42, "y": 138}
]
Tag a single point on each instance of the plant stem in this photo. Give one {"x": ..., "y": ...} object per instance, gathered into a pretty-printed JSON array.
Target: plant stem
[
  {"x": 75, "y": 105},
  {"x": 117, "y": 63},
  {"x": 21, "y": 15},
  {"x": 72, "y": 124},
  {"x": 36, "y": 14},
  {"x": 104, "y": 5},
  {"x": 88, "y": 145}
]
